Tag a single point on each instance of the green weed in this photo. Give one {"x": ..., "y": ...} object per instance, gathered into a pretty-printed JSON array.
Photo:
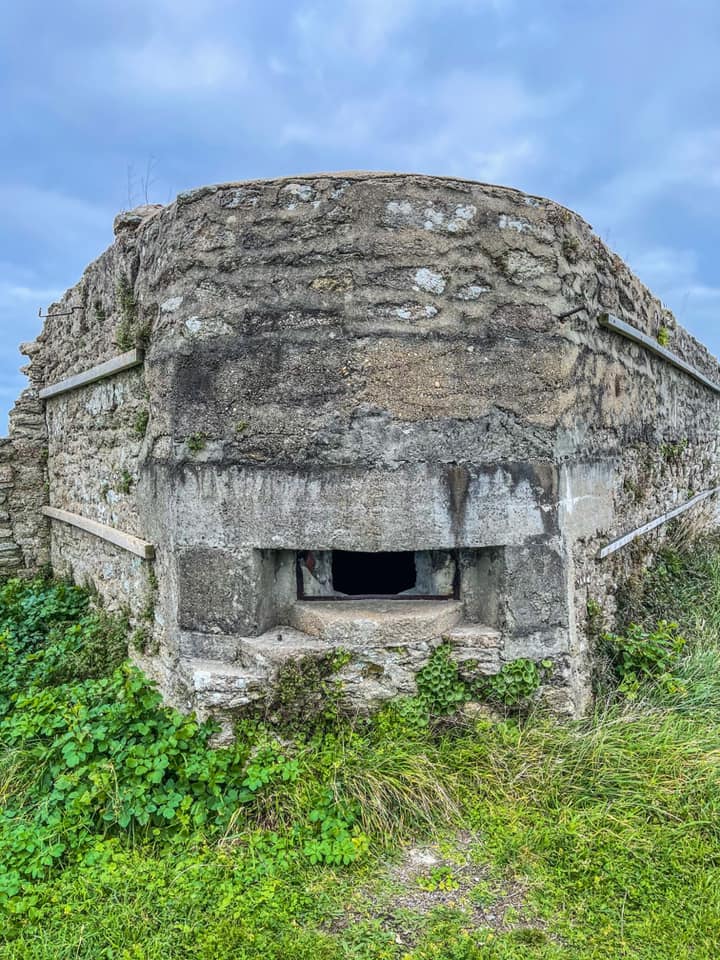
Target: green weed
[
  {"x": 196, "y": 442},
  {"x": 640, "y": 656},
  {"x": 140, "y": 425},
  {"x": 127, "y": 306}
]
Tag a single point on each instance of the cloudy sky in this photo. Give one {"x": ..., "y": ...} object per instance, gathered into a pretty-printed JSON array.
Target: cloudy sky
[{"x": 609, "y": 107}]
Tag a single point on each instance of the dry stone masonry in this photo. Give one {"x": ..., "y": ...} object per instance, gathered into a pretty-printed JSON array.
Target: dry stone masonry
[{"x": 365, "y": 413}]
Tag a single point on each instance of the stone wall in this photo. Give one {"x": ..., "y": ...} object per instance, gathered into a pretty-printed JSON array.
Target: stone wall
[
  {"x": 365, "y": 362},
  {"x": 24, "y": 531},
  {"x": 95, "y": 436},
  {"x": 11, "y": 558},
  {"x": 643, "y": 438}
]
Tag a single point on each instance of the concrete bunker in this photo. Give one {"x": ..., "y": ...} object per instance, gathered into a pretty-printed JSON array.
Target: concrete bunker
[{"x": 367, "y": 412}]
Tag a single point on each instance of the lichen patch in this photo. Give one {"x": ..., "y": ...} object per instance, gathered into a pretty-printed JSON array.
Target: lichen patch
[{"x": 429, "y": 280}]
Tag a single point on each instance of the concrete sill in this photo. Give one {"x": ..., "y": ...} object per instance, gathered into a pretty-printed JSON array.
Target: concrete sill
[{"x": 376, "y": 622}]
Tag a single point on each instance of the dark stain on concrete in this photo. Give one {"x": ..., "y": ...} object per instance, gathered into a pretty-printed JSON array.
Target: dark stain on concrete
[{"x": 457, "y": 478}]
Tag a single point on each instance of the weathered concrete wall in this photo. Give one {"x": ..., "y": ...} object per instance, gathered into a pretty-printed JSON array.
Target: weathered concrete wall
[{"x": 365, "y": 362}]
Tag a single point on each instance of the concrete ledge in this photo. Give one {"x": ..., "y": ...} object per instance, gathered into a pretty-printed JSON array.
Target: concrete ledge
[
  {"x": 610, "y": 322},
  {"x": 647, "y": 527},
  {"x": 123, "y": 540},
  {"x": 126, "y": 361},
  {"x": 366, "y": 623}
]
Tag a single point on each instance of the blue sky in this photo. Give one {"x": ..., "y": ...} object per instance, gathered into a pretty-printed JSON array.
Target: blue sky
[{"x": 609, "y": 107}]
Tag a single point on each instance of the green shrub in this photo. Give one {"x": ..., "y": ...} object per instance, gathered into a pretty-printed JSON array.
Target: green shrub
[
  {"x": 88, "y": 750},
  {"x": 440, "y": 689},
  {"x": 124, "y": 834},
  {"x": 515, "y": 683},
  {"x": 49, "y": 635},
  {"x": 99, "y": 753},
  {"x": 338, "y": 839},
  {"x": 642, "y": 655}
]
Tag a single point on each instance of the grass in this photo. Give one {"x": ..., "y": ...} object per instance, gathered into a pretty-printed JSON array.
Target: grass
[{"x": 465, "y": 840}]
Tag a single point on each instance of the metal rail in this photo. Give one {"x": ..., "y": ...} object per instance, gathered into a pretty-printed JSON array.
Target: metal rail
[
  {"x": 141, "y": 548},
  {"x": 617, "y": 325},
  {"x": 126, "y": 361},
  {"x": 652, "y": 524}
]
